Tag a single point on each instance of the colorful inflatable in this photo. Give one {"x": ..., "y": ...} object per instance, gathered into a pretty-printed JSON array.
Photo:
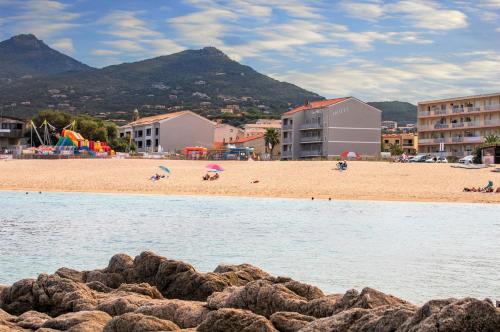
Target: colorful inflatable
[{"x": 72, "y": 142}]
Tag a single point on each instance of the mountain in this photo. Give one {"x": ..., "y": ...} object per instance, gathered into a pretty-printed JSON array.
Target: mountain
[
  {"x": 401, "y": 112},
  {"x": 26, "y": 55},
  {"x": 202, "y": 80}
]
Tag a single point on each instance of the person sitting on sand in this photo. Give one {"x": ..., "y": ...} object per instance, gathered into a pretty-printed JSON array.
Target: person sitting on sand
[
  {"x": 489, "y": 186},
  {"x": 206, "y": 177}
]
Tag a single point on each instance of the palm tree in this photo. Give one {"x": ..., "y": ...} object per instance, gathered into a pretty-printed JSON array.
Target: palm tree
[
  {"x": 271, "y": 138},
  {"x": 490, "y": 139}
]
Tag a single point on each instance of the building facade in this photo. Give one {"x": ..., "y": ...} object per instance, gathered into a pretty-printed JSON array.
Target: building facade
[
  {"x": 389, "y": 125},
  {"x": 458, "y": 124},
  {"x": 407, "y": 142},
  {"x": 170, "y": 132},
  {"x": 11, "y": 132},
  {"x": 328, "y": 128},
  {"x": 225, "y": 133},
  {"x": 260, "y": 127}
]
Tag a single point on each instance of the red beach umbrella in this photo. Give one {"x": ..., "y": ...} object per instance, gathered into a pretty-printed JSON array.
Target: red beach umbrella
[
  {"x": 215, "y": 167},
  {"x": 350, "y": 154}
]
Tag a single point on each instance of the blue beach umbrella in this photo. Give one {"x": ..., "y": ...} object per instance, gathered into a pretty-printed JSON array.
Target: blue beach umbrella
[{"x": 163, "y": 168}]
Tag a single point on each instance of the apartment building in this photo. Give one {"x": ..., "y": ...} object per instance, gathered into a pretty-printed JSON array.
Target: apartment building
[
  {"x": 407, "y": 142},
  {"x": 329, "y": 127},
  {"x": 11, "y": 132},
  {"x": 460, "y": 124},
  {"x": 172, "y": 132}
]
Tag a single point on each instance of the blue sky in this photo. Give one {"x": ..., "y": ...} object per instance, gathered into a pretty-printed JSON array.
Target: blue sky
[{"x": 375, "y": 50}]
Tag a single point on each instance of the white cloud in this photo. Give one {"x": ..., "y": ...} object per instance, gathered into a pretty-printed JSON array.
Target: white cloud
[
  {"x": 44, "y": 18},
  {"x": 424, "y": 14},
  {"x": 64, "y": 45},
  {"x": 135, "y": 38},
  {"x": 105, "y": 52},
  {"x": 495, "y": 4},
  {"x": 366, "y": 11},
  {"x": 364, "y": 40},
  {"x": 407, "y": 79}
]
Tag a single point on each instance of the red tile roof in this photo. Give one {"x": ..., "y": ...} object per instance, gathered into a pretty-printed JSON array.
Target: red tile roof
[
  {"x": 250, "y": 138},
  {"x": 316, "y": 104}
]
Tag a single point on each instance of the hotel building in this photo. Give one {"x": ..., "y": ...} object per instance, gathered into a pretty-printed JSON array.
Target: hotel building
[
  {"x": 327, "y": 128},
  {"x": 459, "y": 123}
]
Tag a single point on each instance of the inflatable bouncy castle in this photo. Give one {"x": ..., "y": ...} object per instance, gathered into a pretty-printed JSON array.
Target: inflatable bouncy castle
[{"x": 72, "y": 142}]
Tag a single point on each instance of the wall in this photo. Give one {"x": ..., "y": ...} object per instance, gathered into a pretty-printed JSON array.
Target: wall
[{"x": 186, "y": 130}]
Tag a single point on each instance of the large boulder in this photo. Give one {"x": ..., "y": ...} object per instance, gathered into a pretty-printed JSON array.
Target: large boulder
[
  {"x": 71, "y": 274},
  {"x": 455, "y": 315},
  {"x": 135, "y": 322},
  {"x": 18, "y": 298},
  {"x": 383, "y": 318},
  {"x": 48, "y": 293},
  {"x": 78, "y": 320},
  {"x": 32, "y": 320},
  {"x": 186, "y": 314},
  {"x": 235, "y": 320},
  {"x": 290, "y": 321},
  {"x": 261, "y": 297},
  {"x": 119, "y": 303}
]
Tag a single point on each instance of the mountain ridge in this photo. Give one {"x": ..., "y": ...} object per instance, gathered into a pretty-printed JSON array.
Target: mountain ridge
[{"x": 203, "y": 80}]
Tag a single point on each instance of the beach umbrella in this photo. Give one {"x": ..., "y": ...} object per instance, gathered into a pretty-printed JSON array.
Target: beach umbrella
[
  {"x": 215, "y": 167},
  {"x": 163, "y": 168},
  {"x": 350, "y": 154}
]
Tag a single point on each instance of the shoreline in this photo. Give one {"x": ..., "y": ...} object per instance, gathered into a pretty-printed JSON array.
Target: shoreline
[
  {"x": 363, "y": 181},
  {"x": 322, "y": 199}
]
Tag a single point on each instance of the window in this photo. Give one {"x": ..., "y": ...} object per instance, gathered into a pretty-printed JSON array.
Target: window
[
  {"x": 397, "y": 142},
  {"x": 139, "y": 133},
  {"x": 386, "y": 141},
  {"x": 157, "y": 131},
  {"x": 122, "y": 135},
  {"x": 139, "y": 144},
  {"x": 156, "y": 141},
  {"x": 148, "y": 143},
  {"x": 148, "y": 132}
]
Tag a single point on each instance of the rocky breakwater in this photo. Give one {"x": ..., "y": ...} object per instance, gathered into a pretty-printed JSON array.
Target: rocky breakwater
[{"x": 154, "y": 293}]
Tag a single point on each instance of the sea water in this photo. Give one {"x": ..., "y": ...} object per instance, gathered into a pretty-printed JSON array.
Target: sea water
[{"x": 416, "y": 251}]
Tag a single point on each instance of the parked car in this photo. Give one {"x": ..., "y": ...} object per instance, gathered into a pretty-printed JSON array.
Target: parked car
[
  {"x": 420, "y": 158},
  {"x": 466, "y": 160},
  {"x": 431, "y": 160},
  {"x": 442, "y": 160}
]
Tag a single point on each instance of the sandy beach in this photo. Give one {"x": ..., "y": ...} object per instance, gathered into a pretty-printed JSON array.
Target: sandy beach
[{"x": 294, "y": 179}]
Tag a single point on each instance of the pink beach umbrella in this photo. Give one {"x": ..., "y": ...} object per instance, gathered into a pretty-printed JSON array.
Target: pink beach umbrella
[
  {"x": 350, "y": 154},
  {"x": 215, "y": 167}
]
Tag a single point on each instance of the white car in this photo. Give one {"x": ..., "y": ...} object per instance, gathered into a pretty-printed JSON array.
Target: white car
[
  {"x": 466, "y": 160},
  {"x": 442, "y": 160},
  {"x": 431, "y": 160},
  {"x": 436, "y": 159}
]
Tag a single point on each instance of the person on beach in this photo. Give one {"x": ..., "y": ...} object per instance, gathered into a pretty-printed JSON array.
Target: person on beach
[{"x": 206, "y": 177}]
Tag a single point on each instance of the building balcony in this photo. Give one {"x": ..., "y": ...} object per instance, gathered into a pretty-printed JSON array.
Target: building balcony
[
  {"x": 11, "y": 133},
  {"x": 441, "y": 126},
  {"x": 311, "y": 139},
  {"x": 287, "y": 140},
  {"x": 473, "y": 139},
  {"x": 458, "y": 125},
  {"x": 492, "y": 123},
  {"x": 312, "y": 125},
  {"x": 310, "y": 153},
  {"x": 287, "y": 127},
  {"x": 458, "y": 110},
  {"x": 286, "y": 154},
  {"x": 492, "y": 107}
]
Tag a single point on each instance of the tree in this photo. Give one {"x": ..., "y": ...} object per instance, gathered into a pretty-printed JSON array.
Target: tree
[
  {"x": 491, "y": 139},
  {"x": 395, "y": 150},
  {"x": 271, "y": 138}
]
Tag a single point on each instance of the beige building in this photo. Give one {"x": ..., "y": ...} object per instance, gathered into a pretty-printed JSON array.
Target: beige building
[
  {"x": 327, "y": 128},
  {"x": 260, "y": 127},
  {"x": 11, "y": 132},
  {"x": 225, "y": 133},
  {"x": 172, "y": 132},
  {"x": 407, "y": 142},
  {"x": 460, "y": 124}
]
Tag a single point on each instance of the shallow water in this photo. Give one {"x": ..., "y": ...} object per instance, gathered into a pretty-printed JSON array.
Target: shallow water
[{"x": 416, "y": 251}]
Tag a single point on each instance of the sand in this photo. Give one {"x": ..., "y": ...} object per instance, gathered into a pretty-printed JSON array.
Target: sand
[{"x": 294, "y": 179}]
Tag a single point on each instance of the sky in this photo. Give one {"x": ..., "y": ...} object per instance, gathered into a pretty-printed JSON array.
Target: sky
[{"x": 375, "y": 50}]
